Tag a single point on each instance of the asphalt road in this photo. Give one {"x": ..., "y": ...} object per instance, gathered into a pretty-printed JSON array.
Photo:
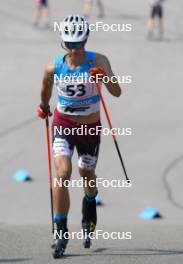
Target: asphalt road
[{"x": 151, "y": 106}]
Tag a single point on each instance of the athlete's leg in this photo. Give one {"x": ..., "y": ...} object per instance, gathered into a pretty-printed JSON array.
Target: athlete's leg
[
  {"x": 61, "y": 194},
  {"x": 89, "y": 178},
  {"x": 88, "y": 150},
  {"x": 89, "y": 210},
  {"x": 61, "y": 203},
  {"x": 63, "y": 167},
  {"x": 150, "y": 23},
  {"x": 88, "y": 7},
  {"x": 37, "y": 13},
  {"x": 90, "y": 190},
  {"x": 161, "y": 27},
  {"x": 160, "y": 22},
  {"x": 62, "y": 150},
  {"x": 101, "y": 8},
  {"x": 46, "y": 13}
]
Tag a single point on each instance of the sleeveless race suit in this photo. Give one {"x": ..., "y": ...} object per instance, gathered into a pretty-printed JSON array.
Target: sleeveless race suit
[{"x": 76, "y": 96}]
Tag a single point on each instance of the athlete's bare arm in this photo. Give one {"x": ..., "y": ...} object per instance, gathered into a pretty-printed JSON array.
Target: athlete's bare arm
[
  {"x": 47, "y": 84},
  {"x": 103, "y": 62}
]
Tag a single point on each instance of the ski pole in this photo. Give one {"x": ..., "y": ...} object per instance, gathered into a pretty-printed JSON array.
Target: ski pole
[
  {"x": 49, "y": 170},
  {"x": 110, "y": 125}
]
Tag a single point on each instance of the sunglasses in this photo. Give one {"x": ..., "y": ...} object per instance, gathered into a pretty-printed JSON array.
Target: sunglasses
[{"x": 75, "y": 45}]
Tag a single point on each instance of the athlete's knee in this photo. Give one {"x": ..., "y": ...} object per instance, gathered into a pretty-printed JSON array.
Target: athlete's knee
[
  {"x": 87, "y": 163},
  {"x": 87, "y": 174},
  {"x": 63, "y": 174}
]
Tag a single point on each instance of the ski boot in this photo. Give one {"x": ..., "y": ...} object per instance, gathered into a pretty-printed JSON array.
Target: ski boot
[
  {"x": 88, "y": 229},
  {"x": 60, "y": 243},
  {"x": 89, "y": 219}
]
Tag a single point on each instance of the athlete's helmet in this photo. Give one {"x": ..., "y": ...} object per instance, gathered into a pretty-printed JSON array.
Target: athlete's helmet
[{"x": 75, "y": 28}]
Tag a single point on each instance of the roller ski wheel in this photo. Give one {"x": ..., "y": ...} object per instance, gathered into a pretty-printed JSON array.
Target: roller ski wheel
[{"x": 87, "y": 242}]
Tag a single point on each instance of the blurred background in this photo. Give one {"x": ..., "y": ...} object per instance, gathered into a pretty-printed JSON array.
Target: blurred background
[{"x": 151, "y": 106}]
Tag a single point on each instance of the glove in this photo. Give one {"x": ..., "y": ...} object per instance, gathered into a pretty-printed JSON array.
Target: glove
[
  {"x": 97, "y": 73},
  {"x": 43, "y": 111}
]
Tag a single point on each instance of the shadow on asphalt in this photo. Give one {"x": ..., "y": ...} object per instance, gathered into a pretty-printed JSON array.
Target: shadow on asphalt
[
  {"x": 9, "y": 260},
  {"x": 101, "y": 252},
  {"x": 134, "y": 252}
]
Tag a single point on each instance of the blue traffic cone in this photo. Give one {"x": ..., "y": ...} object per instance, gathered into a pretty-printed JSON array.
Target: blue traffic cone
[
  {"x": 22, "y": 176},
  {"x": 98, "y": 200},
  {"x": 149, "y": 214}
]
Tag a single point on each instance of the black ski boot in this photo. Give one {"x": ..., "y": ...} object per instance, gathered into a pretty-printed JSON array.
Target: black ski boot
[
  {"x": 89, "y": 219},
  {"x": 61, "y": 240}
]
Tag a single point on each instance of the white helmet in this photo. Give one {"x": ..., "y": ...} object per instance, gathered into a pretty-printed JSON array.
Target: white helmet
[{"x": 75, "y": 28}]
